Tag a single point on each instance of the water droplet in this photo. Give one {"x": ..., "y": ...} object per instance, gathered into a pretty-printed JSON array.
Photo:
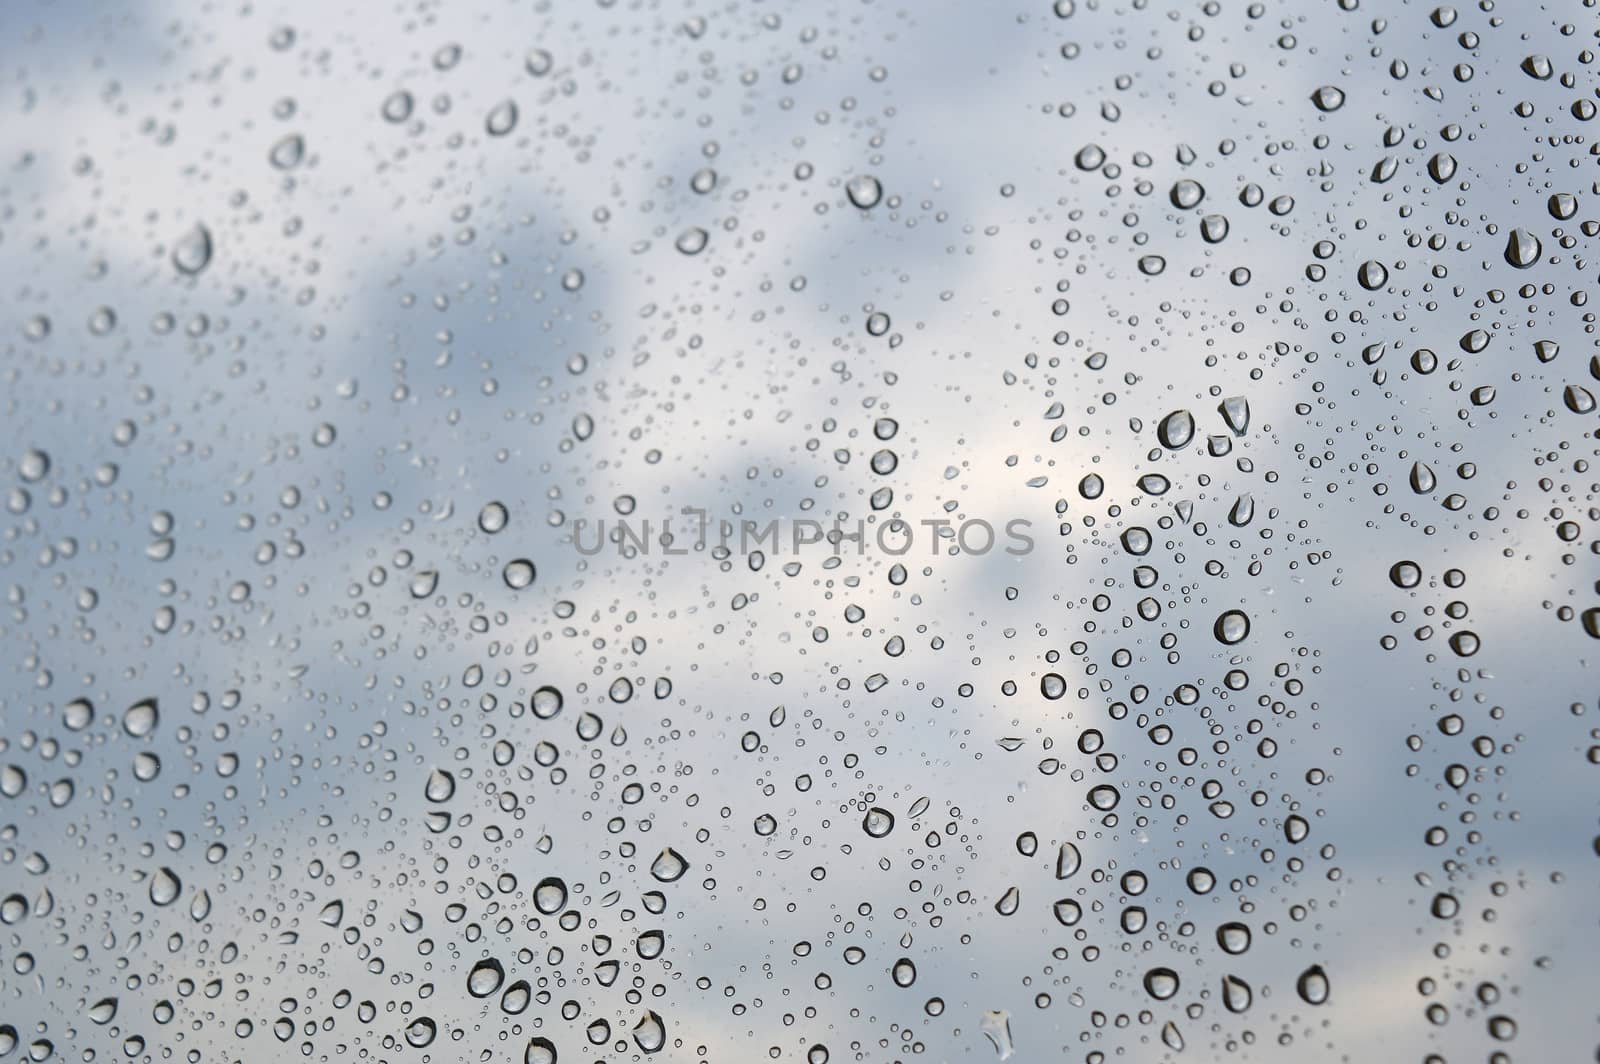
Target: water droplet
[
  {"x": 141, "y": 718},
  {"x": 996, "y": 1027},
  {"x": 421, "y": 1032},
  {"x": 518, "y": 574},
  {"x": 1068, "y": 860},
  {"x": 1176, "y": 430},
  {"x": 192, "y": 253},
  {"x": 550, "y": 896},
  {"x": 397, "y": 106},
  {"x": 547, "y": 702},
  {"x": 1235, "y": 411},
  {"x": 538, "y": 62},
  {"x": 1328, "y": 98},
  {"x": 164, "y": 887},
  {"x": 485, "y": 978},
  {"x": 1236, "y": 995},
  {"x": 514, "y": 1002},
  {"x": 34, "y": 466},
  {"x": 1231, "y": 627},
  {"x": 77, "y": 714},
  {"x": 493, "y": 518},
  {"x": 878, "y": 822},
  {"x": 1313, "y": 985},
  {"x": 669, "y": 866},
  {"x": 501, "y": 120},
  {"x": 1405, "y": 574},
  {"x": 693, "y": 240},
  {"x": 1161, "y": 983},
  {"x": 864, "y": 191},
  {"x": 1538, "y": 67},
  {"x": 1186, "y": 193},
  {"x": 1233, "y": 937},
  {"x": 287, "y": 153},
  {"x": 441, "y": 786},
  {"x": 1522, "y": 249},
  {"x": 650, "y": 1033}
]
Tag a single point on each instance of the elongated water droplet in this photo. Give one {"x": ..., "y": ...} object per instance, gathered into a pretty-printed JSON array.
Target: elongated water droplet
[
  {"x": 1313, "y": 985},
  {"x": 1236, "y": 995},
  {"x": 996, "y": 1027},
  {"x": 192, "y": 253},
  {"x": 1522, "y": 249},
  {"x": 1176, "y": 430},
  {"x": 164, "y": 887},
  {"x": 1068, "y": 860},
  {"x": 441, "y": 786}
]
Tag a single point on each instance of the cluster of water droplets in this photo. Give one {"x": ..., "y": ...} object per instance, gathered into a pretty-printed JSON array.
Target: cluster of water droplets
[{"x": 1059, "y": 530}]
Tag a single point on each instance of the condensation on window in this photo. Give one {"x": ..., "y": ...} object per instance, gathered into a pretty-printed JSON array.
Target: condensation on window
[{"x": 761, "y": 530}]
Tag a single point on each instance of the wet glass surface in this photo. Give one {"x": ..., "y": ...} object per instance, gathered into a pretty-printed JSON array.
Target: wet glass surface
[{"x": 832, "y": 532}]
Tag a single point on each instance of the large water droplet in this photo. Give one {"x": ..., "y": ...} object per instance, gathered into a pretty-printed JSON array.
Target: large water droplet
[
  {"x": 441, "y": 786},
  {"x": 1522, "y": 249},
  {"x": 669, "y": 866},
  {"x": 864, "y": 191},
  {"x": 878, "y": 822},
  {"x": 1231, "y": 627},
  {"x": 550, "y": 896},
  {"x": 192, "y": 253},
  {"x": 164, "y": 887},
  {"x": 1161, "y": 983},
  {"x": 421, "y": 1032},
  {"x": 485, "y": 978},
  {"x": 650, "y": 1033},
  {"x": 1176, "y": 430},
  {"x": 1328, "y": 98},
  {"x": 1236, "y": 995},
  {"x": 1068, "y": 861},
  {"x": 141, "y": 718},
  {"x": 1313, "y": 985}
]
